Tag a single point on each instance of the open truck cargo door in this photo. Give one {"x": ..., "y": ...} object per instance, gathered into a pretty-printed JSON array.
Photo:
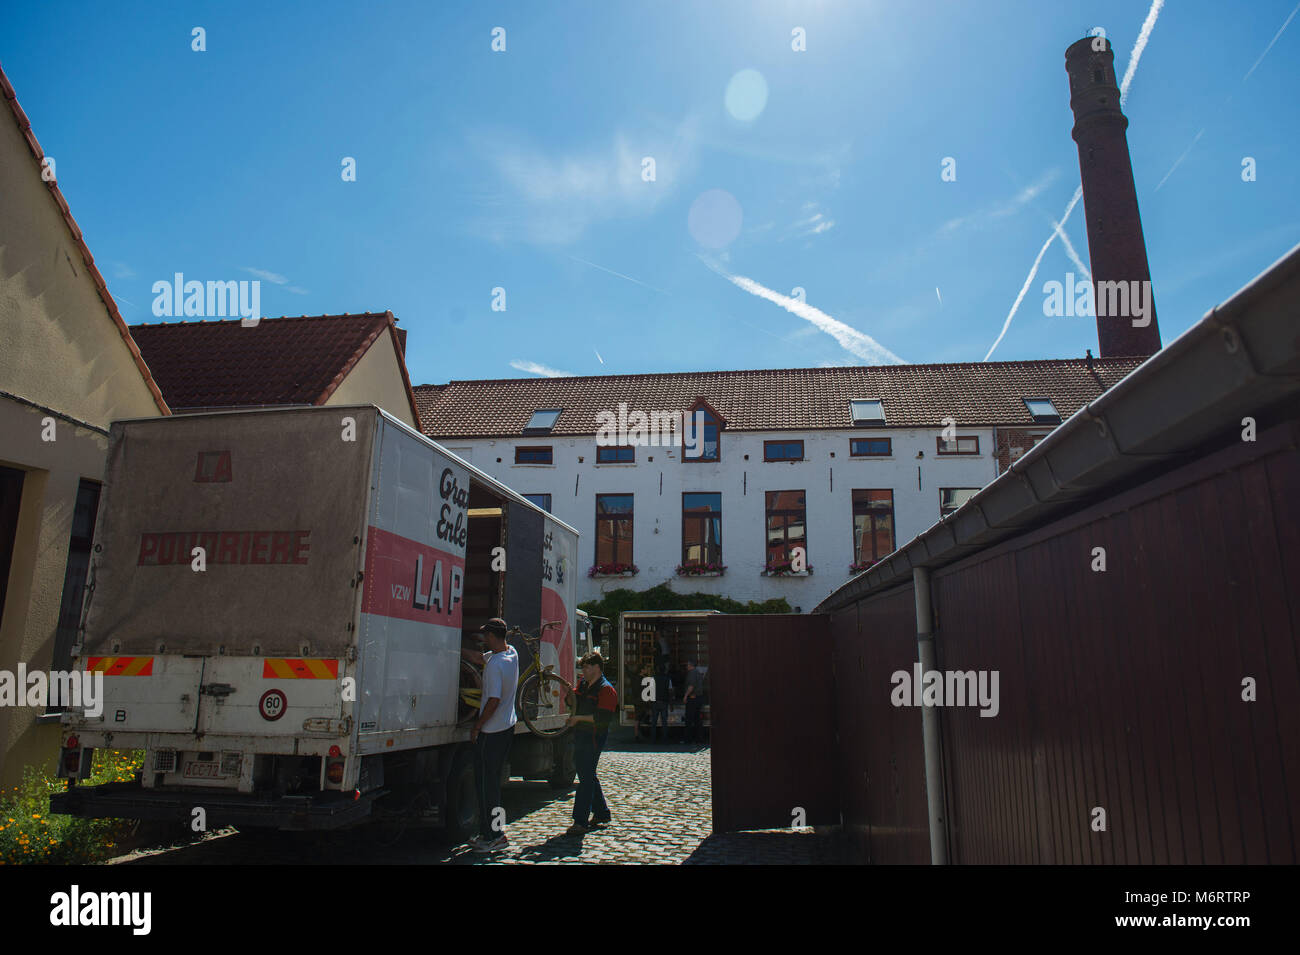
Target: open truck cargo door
[
  {"x": 414, "y": 587},
  {"x": 560, "y": 597}
]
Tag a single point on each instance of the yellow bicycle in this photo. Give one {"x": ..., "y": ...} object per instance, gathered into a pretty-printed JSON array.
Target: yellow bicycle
[{"x": 541, "y": 694}]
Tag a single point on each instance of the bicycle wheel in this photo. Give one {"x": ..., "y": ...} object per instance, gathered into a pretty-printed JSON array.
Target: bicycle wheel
[
  {"x": 542, "y": 706},
  {"x": 470, "y": 693}
]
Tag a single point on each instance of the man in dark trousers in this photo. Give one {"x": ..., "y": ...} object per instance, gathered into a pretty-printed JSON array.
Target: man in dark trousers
[
  {"x": 493, "y": 731},
  {"x": 694, "y": 699},
  {"x": 662, "y": 703},
  {"x": 597, "y": 702}
]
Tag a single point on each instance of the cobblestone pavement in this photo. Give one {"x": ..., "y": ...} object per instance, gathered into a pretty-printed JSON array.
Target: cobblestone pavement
[{"x": 659, "y": 797}]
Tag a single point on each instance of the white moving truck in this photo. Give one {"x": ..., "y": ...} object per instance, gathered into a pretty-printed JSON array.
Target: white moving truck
[{"x": 278, "y": 600}]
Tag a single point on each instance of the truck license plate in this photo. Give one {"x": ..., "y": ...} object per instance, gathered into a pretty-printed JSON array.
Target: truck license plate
[{"x": 203, "y": 770}]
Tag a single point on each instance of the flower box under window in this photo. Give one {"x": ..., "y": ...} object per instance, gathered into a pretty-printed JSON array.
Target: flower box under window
[
  {"x": 785, "y": 568},
  {"x": 612, "y": 570},
  {"x": 710, "y": 569}
]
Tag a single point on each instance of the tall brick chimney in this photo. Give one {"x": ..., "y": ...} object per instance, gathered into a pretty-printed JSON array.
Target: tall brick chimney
[{"x": 1115, "y": 245}]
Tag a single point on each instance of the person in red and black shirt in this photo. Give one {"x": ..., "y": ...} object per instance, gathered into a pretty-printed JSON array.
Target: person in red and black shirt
[{"x": 597, "y": 703}]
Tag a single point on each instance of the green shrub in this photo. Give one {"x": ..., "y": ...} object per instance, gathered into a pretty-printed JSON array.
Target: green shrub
[
  {"x": 28, "y": 833},
  {"x": 664, "y": 597}
]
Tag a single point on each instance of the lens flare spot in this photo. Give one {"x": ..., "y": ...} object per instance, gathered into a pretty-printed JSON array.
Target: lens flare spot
[{"x": 746, "y": 95}]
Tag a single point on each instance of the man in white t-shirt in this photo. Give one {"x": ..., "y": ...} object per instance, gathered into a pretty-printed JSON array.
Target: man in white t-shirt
[{"x": 493, "y": 731}]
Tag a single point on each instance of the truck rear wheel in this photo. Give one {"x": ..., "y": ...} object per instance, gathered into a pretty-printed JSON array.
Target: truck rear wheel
[{"x": 462, "y": 798}]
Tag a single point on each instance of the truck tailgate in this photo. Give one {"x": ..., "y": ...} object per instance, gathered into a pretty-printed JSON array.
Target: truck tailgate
[{"x": 276, "y": 502}]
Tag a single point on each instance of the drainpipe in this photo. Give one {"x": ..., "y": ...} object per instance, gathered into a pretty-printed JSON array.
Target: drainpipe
[{"x": 930, "y": 719}]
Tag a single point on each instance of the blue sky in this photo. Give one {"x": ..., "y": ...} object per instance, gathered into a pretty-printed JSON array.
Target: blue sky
[{"x": 523, "y": 169}]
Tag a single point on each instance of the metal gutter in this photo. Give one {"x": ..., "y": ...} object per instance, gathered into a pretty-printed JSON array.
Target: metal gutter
[
  {"x": 1237, "y": 361},
  {"x": 930, "y": 735}
]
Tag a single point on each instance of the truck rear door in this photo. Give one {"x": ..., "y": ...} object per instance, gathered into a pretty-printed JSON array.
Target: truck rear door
[
  {"x": 227, "y": 559},
  {"x": 155, "y": 693},
  {"x": 270, "y": 696}
]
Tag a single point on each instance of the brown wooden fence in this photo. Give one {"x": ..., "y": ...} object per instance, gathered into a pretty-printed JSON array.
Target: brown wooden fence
[
  {"x": 773, "y": 734},
  {"x": 881, "y": 758},
  {"x": 1125, "y": 691}
]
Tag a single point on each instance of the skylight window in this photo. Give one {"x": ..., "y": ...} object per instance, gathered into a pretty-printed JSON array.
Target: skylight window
[
  {"x": 1043, "y": 411},
  {"x": 543, "y": 420},
  {"x": 867, "y": 411}
]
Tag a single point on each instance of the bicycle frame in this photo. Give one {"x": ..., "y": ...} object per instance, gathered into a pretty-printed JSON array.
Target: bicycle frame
[{"x": 474, "y": 697}]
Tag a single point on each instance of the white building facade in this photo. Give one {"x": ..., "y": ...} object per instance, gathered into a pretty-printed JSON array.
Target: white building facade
[
  {"x": 657, "y": 481},
  {"x": 844, "y": 489}
]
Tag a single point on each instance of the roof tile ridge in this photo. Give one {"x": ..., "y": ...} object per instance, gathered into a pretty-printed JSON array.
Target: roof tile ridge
[
  {"x": 356, "y": 356},
  {"x": 836, "y": 369}
]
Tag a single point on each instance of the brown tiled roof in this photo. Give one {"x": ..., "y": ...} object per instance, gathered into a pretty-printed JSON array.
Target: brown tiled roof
[
  {"x": 25, "y": 127},
  {"x": 425, "y": 398},
  {"x": 913, "y": 396},
  {"x": 278, "y": 361}
]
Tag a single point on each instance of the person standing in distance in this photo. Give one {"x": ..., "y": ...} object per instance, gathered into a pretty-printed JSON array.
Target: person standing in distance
[
  {"x": 494, "y": 729},
  {"x": 597, "y": 702},
  {"x": 694, "y": 700}
]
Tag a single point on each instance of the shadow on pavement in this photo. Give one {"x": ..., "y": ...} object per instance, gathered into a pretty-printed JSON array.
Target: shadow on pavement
[
  {"x": 554, "y": 849},
  {"x": 367, "y": 844}
]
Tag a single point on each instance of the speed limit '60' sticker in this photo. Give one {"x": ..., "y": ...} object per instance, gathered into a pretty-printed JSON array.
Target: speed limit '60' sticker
[{"x": 272, "y": 705}]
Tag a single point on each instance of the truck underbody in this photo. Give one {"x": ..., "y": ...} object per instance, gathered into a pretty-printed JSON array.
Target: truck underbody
[{"x": 431, "y": 787}]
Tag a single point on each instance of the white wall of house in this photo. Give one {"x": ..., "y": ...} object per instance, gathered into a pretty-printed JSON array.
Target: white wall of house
[
  {"x": 377, "y": 379},
  {"x": 659, "y": 478}
]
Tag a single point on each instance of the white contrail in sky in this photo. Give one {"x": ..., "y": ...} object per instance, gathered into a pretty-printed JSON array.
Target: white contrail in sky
[
  {"x": 535, "y": 369},
  {"x": 619, "y": 274},
  {"x": 1059, "y": 228},
  {"x": 1069, "y": 250},
  {"x": 1030, "y": 277},
  {"x": 1178, "y": 161},
  {"x": 850, "y": 339},
  {"x": 1139, "y": 45},
  {"x": 938, "y": 296},
  {"x": 1270, "y": 44},
  {"x": 598, "y": 358}
]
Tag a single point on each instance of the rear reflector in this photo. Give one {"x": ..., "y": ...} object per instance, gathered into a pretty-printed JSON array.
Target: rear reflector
[{"x": 334, "y": 771}]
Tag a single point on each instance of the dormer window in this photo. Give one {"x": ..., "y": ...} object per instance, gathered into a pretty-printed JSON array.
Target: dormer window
[
  {"x": 543, "y": 420},
  {"x": 866, "y": 411},
  {"x": 702, "y": 433},
  {"x": 1043, "y": 411}
]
